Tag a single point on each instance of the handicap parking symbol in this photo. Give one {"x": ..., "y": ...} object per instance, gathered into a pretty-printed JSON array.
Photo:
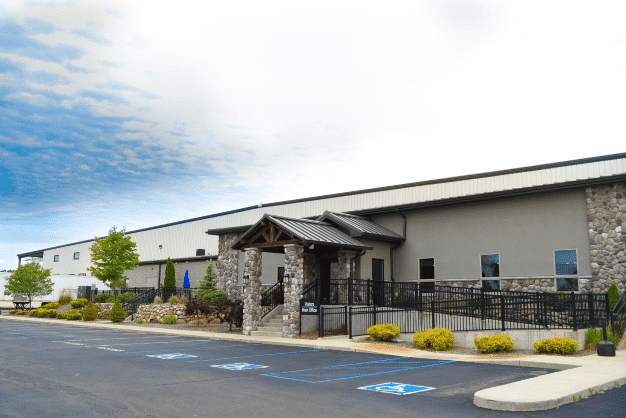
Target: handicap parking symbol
[
  {"x": 170, "y": 356},
  {"x": 396, "y": 388},
  {"x": 239, "y": 366}
]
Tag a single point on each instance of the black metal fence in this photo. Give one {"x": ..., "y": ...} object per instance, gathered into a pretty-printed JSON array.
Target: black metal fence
[
  {"x": 271, "y": 298},
  {"x": 118, "y": 292}
]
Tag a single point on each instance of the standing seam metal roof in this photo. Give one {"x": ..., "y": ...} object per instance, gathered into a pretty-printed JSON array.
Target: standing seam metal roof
[{"x": 359, "y": 226}]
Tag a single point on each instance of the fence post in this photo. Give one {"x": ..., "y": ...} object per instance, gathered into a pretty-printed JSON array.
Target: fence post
[
  {"x": 300, "y": 321},
  {"x": 482, "y": 304},
  {"x": 374, "y": 314},
  {"x": 368, "y": 290},
  {"x": 502, "y": 311},
  {"x": 575, "y": 324},
  {"x": 591, "y": 310},
  {"x": 350, "y": 289},
  {"x": 432, "y": 309},
  {"x": 545, "y": 310},
  {"x": 320, "y": 326},
  {"x": 350, "y": 322}
]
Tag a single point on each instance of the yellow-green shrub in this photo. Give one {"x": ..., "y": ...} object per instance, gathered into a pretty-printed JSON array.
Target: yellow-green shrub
[
  {"x": 65, "y": 299},
  {"x": 21, "y": 312},
  {"x": 53, "y": 305},
  {"x": 494, "y": 343},
  {"x": 439, "y": 339},
  {"x": 42, "y": 312},
  {"x": 558, "y": 345},
  {"x": 90, "y": 313},
  {"x": 384, "y": 332},
  {"x": 13, "y": 311},
  {"x": 78, "y": 303},
  {"x": 72, "y": 315},
  {"x": 174, "y": 300}
]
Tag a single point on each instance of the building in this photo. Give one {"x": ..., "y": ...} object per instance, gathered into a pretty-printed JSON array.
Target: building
[{"x": 541, "y": 228}]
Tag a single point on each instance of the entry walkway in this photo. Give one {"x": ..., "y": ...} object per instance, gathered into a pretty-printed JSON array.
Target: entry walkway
[{"x": 578, "y": 376}]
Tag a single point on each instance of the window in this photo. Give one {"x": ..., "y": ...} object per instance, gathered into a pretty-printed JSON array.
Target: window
[
  {"x": 281, "y": 275},
  {"x": 200, "y": 252},
  {"x": 566, "y": 270},
  {"x": 56, "y": 258},
  {"x": 491, "y": 285},
  {"x": 76, "y": 256},
  {"x": 490, "y": 265},
  {"x": 378, "y": 269},
  {"x": 427, "y": 274}
]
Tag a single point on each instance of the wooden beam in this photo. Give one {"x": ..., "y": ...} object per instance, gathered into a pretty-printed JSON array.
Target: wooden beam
[{"x": 275, "y": 244}]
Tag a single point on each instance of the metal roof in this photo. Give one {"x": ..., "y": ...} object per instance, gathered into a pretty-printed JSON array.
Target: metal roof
[
  {"x": 360, "y": 227},
  {"x": 309, "y": 232}
]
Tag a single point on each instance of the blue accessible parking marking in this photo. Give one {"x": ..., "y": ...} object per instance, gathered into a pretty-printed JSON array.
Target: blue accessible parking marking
[
  {"x": 396, "y": 388},
  {"x": 351, "y": 371},
  {"x": 239, "y": 366},
  {"x": 170, "y": 356}
]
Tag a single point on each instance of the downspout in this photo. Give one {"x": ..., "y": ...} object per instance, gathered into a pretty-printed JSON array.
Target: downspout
[{"x": 392, "y": 249}]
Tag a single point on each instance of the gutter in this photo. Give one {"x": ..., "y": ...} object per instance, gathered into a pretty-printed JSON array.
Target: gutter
[{"x": 392, "y": 249}]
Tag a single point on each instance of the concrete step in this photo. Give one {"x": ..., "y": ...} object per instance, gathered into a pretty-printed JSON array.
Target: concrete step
[
  {"x": 272, "y": 326},
  {"x": 261, "y": 333}
]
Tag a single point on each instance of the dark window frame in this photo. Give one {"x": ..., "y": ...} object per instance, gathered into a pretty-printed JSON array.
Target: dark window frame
[
  {"x": 56, "y": 258},
  {"x": 77, "y": 256}
]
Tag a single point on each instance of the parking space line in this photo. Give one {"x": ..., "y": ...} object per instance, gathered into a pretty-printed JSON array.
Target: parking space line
[
  {"x": 332, "y": 373},
  {"x": 258, "y": 355}
]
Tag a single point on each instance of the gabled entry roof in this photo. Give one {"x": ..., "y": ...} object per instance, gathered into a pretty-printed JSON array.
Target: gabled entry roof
[
  {"x": 276, "y": 231},
  {"x": 360, "y": 227}
]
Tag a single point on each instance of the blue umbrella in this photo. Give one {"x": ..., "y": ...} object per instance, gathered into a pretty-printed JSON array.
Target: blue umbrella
[{"x": 186, "y": 281}]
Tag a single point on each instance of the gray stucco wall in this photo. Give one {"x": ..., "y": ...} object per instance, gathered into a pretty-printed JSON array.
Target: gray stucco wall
[
  {"x": 523, "y": 230},
  {"x": 381, "y": 250},
  {"x": 270, "y": 263},
  {"x": 147, "y": 275}
]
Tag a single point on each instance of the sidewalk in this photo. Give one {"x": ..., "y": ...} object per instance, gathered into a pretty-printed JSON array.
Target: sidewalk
[{"x": 578, "y": 377}]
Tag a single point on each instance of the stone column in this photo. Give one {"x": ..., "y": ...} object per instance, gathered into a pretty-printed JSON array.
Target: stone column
[
  {"x": 344, "y": 264},
  {"x": 227, "y": 265},
  {"x": 294, "y": 265},
  {"x": 252, "y": 291},
  {"x": 606, "y": 214}
]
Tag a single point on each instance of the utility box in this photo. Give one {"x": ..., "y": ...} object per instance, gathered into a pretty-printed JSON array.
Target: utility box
[{"x": 84, "y": 292}]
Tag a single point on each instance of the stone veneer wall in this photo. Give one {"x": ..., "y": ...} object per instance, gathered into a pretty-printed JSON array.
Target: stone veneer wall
[
  {"x": 546, "y": 284},
  {"x": 294, "y": 265},
  {"x": 252, "y": 291},
  {"x": 606, "y": 212},
  {"x": 309, "y": 269},
  {"x": 227, "y": 265}
]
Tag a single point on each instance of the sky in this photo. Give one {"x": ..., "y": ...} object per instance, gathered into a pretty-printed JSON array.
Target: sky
[{"x": 139, "y": 113}]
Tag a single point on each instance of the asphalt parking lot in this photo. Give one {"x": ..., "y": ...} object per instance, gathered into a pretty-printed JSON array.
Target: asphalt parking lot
[{"x": 56, "y": 370}]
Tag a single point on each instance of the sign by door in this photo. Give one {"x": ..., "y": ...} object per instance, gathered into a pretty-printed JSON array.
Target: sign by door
[{"x": 309, "y": 306}]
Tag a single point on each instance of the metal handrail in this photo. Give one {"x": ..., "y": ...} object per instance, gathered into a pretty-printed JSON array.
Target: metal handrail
[
  {"x": 619, "y": 306},
  {"x": 271, "y": 298}
]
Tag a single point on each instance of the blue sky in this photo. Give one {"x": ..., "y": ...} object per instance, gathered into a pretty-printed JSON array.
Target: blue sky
[{"x": 137, "y": 113}]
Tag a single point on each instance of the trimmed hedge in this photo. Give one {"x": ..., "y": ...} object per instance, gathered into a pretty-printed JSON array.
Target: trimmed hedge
[
  {"x": 72, "y": 315},
  {"x": 558, "y": 345},
  {"x": 64, "y": 300},
  {"x": 494, "y": 343},
  {"x": 79, "y": 303},
  {"x": 439, "y": 339},
  {"x": 384, "y": 332}
]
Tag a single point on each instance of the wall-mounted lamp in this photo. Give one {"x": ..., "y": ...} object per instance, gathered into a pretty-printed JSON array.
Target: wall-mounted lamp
[
  {"x": 246, "y": 279},
  {"x": 286, "y": 277}
]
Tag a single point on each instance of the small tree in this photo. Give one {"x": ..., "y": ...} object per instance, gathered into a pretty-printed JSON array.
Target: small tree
[
  {"x": 613, "y": 295},
  {"x": 206, "y": 289},
  {"x": 170, "y": 274},
  {"x": 117, "y": 314},
  {"x": 29, "y": 280},
  {"x": 111, "y": 256}
]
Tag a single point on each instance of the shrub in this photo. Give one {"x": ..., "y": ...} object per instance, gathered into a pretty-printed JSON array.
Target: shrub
[
  {"x": 101, "y": 298},
  {"x": 182, "y": 300},
  {"x": 558, "y": 345},
  {"x": 594, "y": 335},
  {"x": 139, "y": 321},
  {"x": 169, "y": 280},
  {"x": 53, "y": 305},
  {"x": 64, "y": 299},
  {"x": 42, "y": 313},
  {"x": 21, "y": 312},
  {"x": 127, "y": 297},
  {"x": 230, "y": 311},
  {"x": 494, "y": 343},
  {"x": 215, "y": 297},
  {"x": 78, "y": 303},
  {"x": 207, "y": 284},
  {"x": 169, "y": 320},
  {"x": 438, "y": 339},
  {"x": 90, "y": 313},
  {"x": 384, "y": 332},
  {"x": 72, "y": 315},
  {"x": 613, "y": 295},
  {"x": 117, "y": 314},
  {"x": 174, "y": 300},
  {"x": 157, "y": 300},
  {"x": 195, "y": 306},
  {"x": 13, "y": 311},
  {"x": 60, "y": 316},
  {"x": 111, "y": 299}
]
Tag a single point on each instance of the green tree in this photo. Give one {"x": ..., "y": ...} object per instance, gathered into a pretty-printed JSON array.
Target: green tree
[
  {"x": 111, "y": 256},
  {"x": 206, "y": 289},
  {"x": 613, "y": 295},
  {"x": 29, "y": 280},
  {"x": 170, "y": 274}
]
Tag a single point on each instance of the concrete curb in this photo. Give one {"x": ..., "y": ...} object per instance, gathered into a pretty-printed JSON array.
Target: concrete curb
[{"x": 578, "y": 377}]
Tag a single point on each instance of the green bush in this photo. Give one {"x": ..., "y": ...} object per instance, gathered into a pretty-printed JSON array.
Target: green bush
[
  {"x": 384, "y": 332},
  {"x": 90, "y": 313},
  {"x": 43, "y": 313},
  {"x": 169, "y": 280},
  {"x": 64, "y": 299},
  {"x": 13, "y": 311},
  {"x": 170, "y": 320},
  {"x": 117, "y": 314},
  {"x": 72, "y": 315},
  {"x": 439, "y": 339},
  {"x": 101, "y": 298},
  {"x": 214, "y": 297},
  {"x": 139, "y": 321},
  {"x": 111, "y": 299},
  {"x": 53, "y": 305},
  {"x": 21, "y": 312},
  {"x": 494, "y": 343},
  {"x": 60, "y": 316},
  {"x": 78, "y": 303},
  {"x": 558, "y": 345},
  {"x": 127, "y": 297},
  {"x": 594, "y": 335},
  {"x": 613, "y": 295},
  {"x": 174, "y": 300}
]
